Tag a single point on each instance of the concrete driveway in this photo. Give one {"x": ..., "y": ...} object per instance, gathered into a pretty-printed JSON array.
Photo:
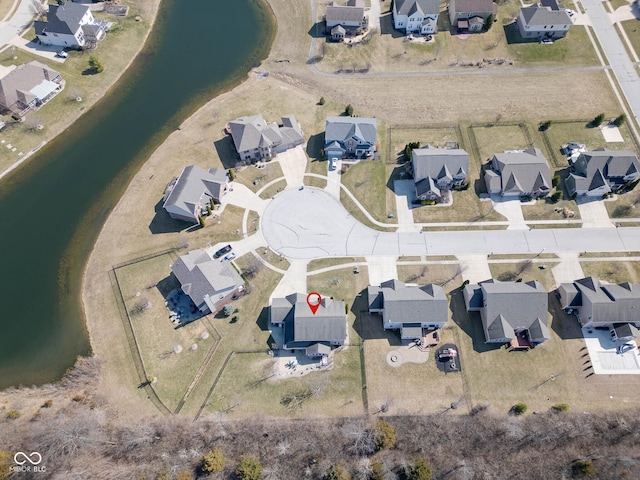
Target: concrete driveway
[
  {"x": 569, "y": 268},
  {"x": 594, "y": 213},
  {"x": 293, "y": 163},
  {"x": 310, "y": 223},
  {"x": 512, "y": 209},
  {"x": 404, "y": 193}
]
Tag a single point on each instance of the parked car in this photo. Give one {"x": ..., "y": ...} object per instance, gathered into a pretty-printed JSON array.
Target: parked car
[
  {"x": 222, "y": 251},
  {"x": 546, "y": 41},
  {"x": 228, "y": 257},
  {"x": 62, "y": 54},
  {"x": 570, "y": 12}
]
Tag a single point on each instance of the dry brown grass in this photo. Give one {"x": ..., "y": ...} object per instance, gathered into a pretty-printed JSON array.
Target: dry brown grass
[{"x": 613, "y": 272}]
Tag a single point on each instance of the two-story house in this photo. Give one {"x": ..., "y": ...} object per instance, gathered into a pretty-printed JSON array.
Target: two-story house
[
  {"x": 416, "y": 16},
  {"x": 350, "y": 137},
  {"x": 436, "y": 170},
  {"x": 546, "y": 20},
  {"x": 602, "y": 171},
  {"x": 70, "y": 25}
]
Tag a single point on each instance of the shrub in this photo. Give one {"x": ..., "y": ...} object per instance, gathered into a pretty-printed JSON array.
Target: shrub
[
  {"x": 419, "y": 470},
  {"x": 47, "y": 404},
  {"x": 228, "y": 309},
  {"x": 561, "y": 407},
  {"x": 519, "y": 408},
  {"x": 95, "y": 64},
  {"x": 488, "y": 23},
  {"x": 555, "y": 181},
  {"x": 13, "y": 414},
  {"x": 213, "y": 461},
  {"x": 249, "y": 468},
  {"x": 322, "y": 101},
  {"x": 619, "y": 120},
  {"x": 557, "y": 196},
  {"x": 597, "y": 120},
  {"x": 338, "y": 472},
  {"x": 544, "y": 126},
  {"x": 184, "y": 475},
  {"x": 348, "y": 110},
  {"x": 408, "y": 148},
  {"x": 385, "y": 435},
  {"x": 583, "y": 468},
  {"x": 232, "y": 174},
  {"x": 201, "y": 220}
]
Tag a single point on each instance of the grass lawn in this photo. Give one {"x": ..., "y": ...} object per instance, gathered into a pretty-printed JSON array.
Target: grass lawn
[
  {"x": 543, "y": 210},
  {"x": 272, "y": 190},
  {"x": 315, "y": 182},
  {"x": 436, "y": 137},
  {"x": 512, "y": 271},
  {"x": 573, "y": 50},
  {"x": 253, "y": 222},
  {"x": 366, "y": 180},
  {"x": 613, "y": 272},
  {"x": 340, "y": 284},
  {"x": 618, "y": 3},
  {"x": 445, "y": 275},
  {"x": 562, "y": 132},
  {"x": 247, "y": 388},
  {"x": 331, "y": 262},
  {"x": 631, "y": 28},
  {"x": 156, "y": 335},
  {"x": 273, "y": 258},
  {"x": 256, "y": 178},
  {"x": 412, "y": 388},
  {"x": 492, "y": 139},
  {"x": 230, "y": 226},
  {"x": 115, "y": 51},
  {"x": 626, "y": 205}
]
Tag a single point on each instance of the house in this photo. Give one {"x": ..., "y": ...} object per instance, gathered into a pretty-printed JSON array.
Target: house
[
  {"x": 602, "y": 171},
  {"x": 315, "y": 333},
  {"x": 603, "y": 305},
  {"x": 256, "y": 139},
  {"x": 522, "y": 173},
  {"x": 350, "y": 17},
  {"x": 511, "y": 312},
  {"x": 544, "y": 20},
  {"x": 29, "y": 86},
  {"x": 188, "y": 196},
  {"x": 209, "y": 283},
  {"x": 436, "y": 170},
  {"x": 70, "y": 25},
  {"x": 471, "y": 15},
  {"x": 350, "y": 137},
  {"x": 410, "y": 309},
  {"x": 416, "y": 16}
]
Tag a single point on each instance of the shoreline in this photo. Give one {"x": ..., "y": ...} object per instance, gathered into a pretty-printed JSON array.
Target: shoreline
[{"x": 154, "y": 6}]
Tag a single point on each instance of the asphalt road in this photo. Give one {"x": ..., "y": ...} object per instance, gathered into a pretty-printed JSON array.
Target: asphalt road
[
  {"x": 619, "y": 60},
  {"x": 309, "y": 223}
]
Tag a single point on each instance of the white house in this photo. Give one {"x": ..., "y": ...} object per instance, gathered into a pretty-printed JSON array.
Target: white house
[
  {"x": 416, "y": 16},
  {"x": 70, "y": 25},
  {"x": 546, "y": 20}
]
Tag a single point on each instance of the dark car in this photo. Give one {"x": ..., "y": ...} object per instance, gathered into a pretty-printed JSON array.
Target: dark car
[{"x": 222, "y": 251}]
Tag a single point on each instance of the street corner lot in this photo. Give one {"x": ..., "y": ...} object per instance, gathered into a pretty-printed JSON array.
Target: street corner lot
[{"x": 411, "y": 388}]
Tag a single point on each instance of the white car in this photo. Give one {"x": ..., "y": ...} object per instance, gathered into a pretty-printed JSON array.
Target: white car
[
  {"x": 228, "y": 257},
  {"x": 570, "y": 12},
  {"x": 62, "y": 54}
]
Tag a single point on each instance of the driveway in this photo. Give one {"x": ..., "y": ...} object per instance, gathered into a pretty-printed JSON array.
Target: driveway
[
  {"x": 381, "y": 269},
  {"x": 334, "y": 179},
  {"x": 475, "y": 268},
  {"x": 241, "y": 196},
  {"x": 512, "y": 209},
  {"x": 604, "y": 357},
  {"x": 310, "y": 223},
  {"x": 374, "y": 16},
  {"x": 404, "y": 193},
  {"x": 569, "y": 268},
  {"x": 293, "y": 281},
  {"x": 293, "y": 163},
  {"x": 594, "y": 213}
]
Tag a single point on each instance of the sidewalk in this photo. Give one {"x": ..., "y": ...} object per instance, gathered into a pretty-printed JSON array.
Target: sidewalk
[{"x": 19, "y": 22}]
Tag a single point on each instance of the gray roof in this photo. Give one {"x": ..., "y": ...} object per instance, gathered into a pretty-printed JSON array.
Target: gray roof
[
  {"x": 522, "y": 171},
  {"x": 409, "y": 7},
  {"x": 592, "y": 169},
  {"x": 253, "y": 132},
  {"x": 63, "y": 18},
  {"x": 201, "y": 276},
  {"x": 438, "y": 163},
  {"x": 547, "y": 13},
  {"x": 611, "y": 303},
  {"x": 355, "y": 3},
  {"x": 517, "y": 305},
  {"x": 427, "y": 185},
  {"x": 425, "y": 303},
  {"x": 626, "y": 330},
  {"x": 303, "y": 328},
  {"x": 339, "y": 14},
  {"x": 473, "y": 6},
  {"x": 18, "y": 83},
  {"x": 194, "y": 187},
  {"x": 342, "y": 128}
]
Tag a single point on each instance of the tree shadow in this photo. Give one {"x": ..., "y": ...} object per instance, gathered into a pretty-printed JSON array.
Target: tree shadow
[
  {"x": 315, "y": 145},
  {"x": 89, "y": 71},
  {"x": 566, "y": 326},
  {"x": 469, "y": 322},
  {"x": 226, "y": 152},
  {"x": 167, "y": 285},
  {"x": 387, "y": 28},
  {"x": 513, "y": 36},
  {"x": 163, "y": 223}
]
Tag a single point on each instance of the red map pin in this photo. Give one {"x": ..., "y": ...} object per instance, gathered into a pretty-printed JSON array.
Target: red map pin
[{"x": 313, "y": 303}]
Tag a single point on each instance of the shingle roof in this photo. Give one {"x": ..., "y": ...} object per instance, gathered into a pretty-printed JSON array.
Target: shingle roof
[
  {"x": 409, "y": 7},
  {"x": 626, "y": 330},
  {"x": 426, "y": 303},
  {"x": 540, "y": 15},
  {"x": 19, "y": 82},
  {"x": 592, "y": 169},
  {"x": 522, "y": 170},
  {"x": 431, "y": 162},
  {"x": 339, "y": 14},
  {"x": 427, "y": 185},
  {"x": 201, "y": 276},
  {"x": 473, "y": 6},
  {"x": 193, "y": 188},
  {"x": 253, "y": 132},
  {"x": 342, "y": 128},
  {"x": 611, "y": 303},
  {"x": 63, "y": 18}
]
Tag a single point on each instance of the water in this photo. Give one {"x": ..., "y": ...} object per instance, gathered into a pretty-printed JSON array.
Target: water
[{"x": 52, "y": 210}]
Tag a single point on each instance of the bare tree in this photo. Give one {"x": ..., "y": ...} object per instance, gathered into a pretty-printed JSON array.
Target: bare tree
[
  {"x": 37, "y": 9},
  {"x": 523, "y": 266},
  {"x": 254, "y": 265},
  {"x": 361, "y": 436}
]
